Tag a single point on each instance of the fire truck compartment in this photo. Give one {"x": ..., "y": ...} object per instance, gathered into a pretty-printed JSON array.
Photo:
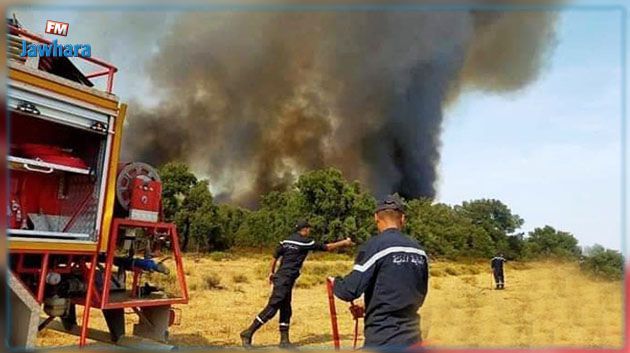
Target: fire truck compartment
[{"x": 56, "y": 178}]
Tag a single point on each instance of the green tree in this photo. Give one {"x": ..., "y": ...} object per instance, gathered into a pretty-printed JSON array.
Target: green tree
[
  {"x": 256, "y": 230},
  {"x": 177, "y": 180},
  {"x": 339, "y": 208},
  {"x": 335, "y": 207},
  {"x": 494, "y": 217},
  {"x": 189, "y": 203},
  {"x": 231, "y": 218},
  {"x": 456, "y": 235},
  {"x": 548, "y": 241},
  {"x": 603, "y": 263},
  {"x": 274, "y": 220},
  {"x": 200, "y": 212},
  {"x": 516, "y": 246},
  {"x": 440, "y": 230}
]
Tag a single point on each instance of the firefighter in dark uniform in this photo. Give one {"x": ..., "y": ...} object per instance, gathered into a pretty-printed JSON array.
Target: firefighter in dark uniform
[
  {"x": 392, "y": 271},
  {"x": 293, "y": 252},
  {"x": 497, "y": 270}
]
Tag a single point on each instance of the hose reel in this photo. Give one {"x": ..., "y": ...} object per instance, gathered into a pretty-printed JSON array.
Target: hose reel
[{"x": 127, "y": 172}]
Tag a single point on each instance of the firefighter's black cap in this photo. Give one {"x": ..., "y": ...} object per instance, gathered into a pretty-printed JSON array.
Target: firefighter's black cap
[
  {"x": 390, "y": 202},
  {"x": 301, "y": 224}
]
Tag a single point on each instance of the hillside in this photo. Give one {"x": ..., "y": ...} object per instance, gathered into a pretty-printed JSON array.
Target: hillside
[{"x": 544, "y": 304}]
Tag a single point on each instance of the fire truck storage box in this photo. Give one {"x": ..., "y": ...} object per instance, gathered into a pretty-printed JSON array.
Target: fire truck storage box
[{"x": 58, "y": 160}]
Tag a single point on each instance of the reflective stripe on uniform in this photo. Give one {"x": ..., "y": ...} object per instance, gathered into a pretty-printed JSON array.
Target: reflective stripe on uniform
[
  {"x": 394, "y": 249},
  {"x": 312, "y": 242}
]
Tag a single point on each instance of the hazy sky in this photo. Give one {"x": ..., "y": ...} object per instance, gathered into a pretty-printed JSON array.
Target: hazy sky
[{"x": 551, "y": 151}]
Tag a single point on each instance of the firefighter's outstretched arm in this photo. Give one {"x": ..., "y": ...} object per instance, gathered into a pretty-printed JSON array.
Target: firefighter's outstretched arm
[
  {"x": 338, "y": 244},
  {"x": 356, "y": 282}
]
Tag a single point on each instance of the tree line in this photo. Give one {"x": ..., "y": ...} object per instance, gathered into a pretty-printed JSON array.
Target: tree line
[{"x": 338, "y": 208}]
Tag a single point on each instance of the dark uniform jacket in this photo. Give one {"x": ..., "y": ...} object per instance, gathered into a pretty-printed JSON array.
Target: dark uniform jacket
[
  {"x": 293, "y": 252},
  {"x": 497, "y": 264},
  {"x": 392, "y": 271}
]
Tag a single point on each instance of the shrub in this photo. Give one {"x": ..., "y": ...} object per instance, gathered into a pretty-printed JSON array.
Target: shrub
[
  {"x": 212, "y": 281},
  {"x": 168, "y": 283},
  {"x": 470, "y": 269},
  {"x": 548, "y": 242},
  {"x": 603, "y": 263},
  {"x": 221, "y": 256},
  {"x": 240, "y": 278},
  {"x": 451, "y": 271}
]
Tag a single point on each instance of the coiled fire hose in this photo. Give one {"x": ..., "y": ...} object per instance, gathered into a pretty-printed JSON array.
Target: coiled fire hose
[{"x": 357, "y": 313}]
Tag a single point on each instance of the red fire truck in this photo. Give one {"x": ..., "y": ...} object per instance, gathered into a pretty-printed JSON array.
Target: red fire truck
[{"x": 84, "y": 230}]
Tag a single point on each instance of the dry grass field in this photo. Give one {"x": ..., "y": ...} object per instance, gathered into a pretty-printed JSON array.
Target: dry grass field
[{"x": 544, "y": 304}]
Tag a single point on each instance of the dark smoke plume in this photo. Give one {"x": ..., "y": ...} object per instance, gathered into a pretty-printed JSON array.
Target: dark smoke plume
[{"x": 252, "y": 99}]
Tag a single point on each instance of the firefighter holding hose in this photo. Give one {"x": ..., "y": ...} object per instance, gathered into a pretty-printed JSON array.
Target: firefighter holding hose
[
  {"x": 292, "y": 252},
  {"x": 391, "y": 270}
]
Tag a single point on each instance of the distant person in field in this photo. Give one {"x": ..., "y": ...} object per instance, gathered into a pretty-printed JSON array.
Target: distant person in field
[
  {"x": 292, "y": 252},
  {"x": 497, "y": 270},
  {"x": 392, "y": 271}
]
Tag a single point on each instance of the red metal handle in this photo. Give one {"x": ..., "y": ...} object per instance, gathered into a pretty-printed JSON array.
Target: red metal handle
[{"x": 333, "y": 313}]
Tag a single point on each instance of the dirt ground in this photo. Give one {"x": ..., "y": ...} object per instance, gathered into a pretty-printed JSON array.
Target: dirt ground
[{"x": 543, "y": 305}]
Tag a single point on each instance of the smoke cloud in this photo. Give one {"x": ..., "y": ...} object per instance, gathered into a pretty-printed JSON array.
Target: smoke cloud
[{"x": 252, "y": 99}]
